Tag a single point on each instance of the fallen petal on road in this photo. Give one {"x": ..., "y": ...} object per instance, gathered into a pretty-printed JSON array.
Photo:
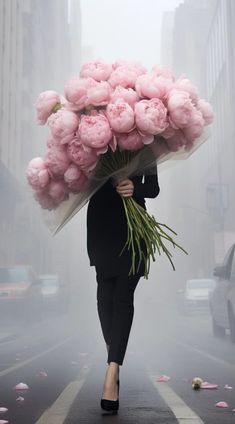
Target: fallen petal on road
[
  {"x": 206, "y": 385},
  {"x": 21, "y": 386},
  {"x": 163, "y": 378},
  {"x": 221, "y": 405},
  {"x": 20, "y": 399},
  {"x": 227, "y": 387}
]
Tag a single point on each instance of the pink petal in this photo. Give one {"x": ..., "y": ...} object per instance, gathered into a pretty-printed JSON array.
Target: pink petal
[
  {"x": 21, "y": 386},
  {"x": 233, "y": 410},
  {"x": 221, "y": 405},
  {"x": 2, "y": 410},
  {"x": 4, "y": 422},
  {"x": 41, "y": 374},
  {"x": 228, "y": 387},
  {"x": 163, "y": 378},
  {"x": 206, "y": 385},
  {"x": 20, "y": 399}
]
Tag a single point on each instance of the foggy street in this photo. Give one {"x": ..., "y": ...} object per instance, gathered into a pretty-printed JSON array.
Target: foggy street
[
  {"x": 117, "y": 211},
  {"x": 163, "y": 342}
]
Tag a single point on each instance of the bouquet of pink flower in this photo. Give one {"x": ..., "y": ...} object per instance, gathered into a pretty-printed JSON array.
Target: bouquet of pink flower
[{"x": 115, "y": 120}]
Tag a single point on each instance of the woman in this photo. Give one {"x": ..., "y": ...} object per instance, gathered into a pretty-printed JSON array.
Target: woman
[{"x": 106, "y": 236}]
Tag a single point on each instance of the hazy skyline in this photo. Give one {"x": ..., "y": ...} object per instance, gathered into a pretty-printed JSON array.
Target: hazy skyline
[{"x": 130, "y": 29}]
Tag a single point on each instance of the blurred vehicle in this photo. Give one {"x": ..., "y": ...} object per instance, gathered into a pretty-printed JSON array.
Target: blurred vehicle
[
  {"x": 20, "y": 292},
  {"x": 222, "y": 300},
  {"x": 55, "y": 294},
  {"x": 195, "y": 296}
]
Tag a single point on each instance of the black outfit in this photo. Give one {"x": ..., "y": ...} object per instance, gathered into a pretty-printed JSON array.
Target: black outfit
[{"x": 106, "y": 237}]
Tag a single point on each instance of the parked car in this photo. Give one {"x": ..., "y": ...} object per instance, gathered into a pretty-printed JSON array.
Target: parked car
[
  {"x": 222, "y": 300},
  {"x": 20, "y": 292},
  {"x": 195, "y": 296},
  {"x": 55, "y": 294}
]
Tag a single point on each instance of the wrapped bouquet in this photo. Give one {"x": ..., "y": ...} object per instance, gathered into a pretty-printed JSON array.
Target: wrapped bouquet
[{"x": 115, "y": 120}]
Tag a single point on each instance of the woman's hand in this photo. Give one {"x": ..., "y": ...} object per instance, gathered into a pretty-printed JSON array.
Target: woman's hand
[{"x": 125, "y": 188}]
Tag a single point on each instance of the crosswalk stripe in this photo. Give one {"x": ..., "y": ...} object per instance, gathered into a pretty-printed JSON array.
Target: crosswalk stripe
[
  {"x": 58, "y": 412},
  {"x": 180, "y": 409}
]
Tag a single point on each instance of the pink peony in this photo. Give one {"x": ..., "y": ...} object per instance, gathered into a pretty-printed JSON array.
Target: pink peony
[
  {"x": 180, "y": 108},
  {"x": 195, "y": 128},
  {"x": 168, "y": 132},
  {"x": 57, "y": 161},
  {"x": 151, "y": 116},
  {"x": 45, "y": 201},
  {"x": 75, "y": 178},
  {"x": 63, "y": 125},
  {"x": 127, "y": 95},
  {"x": 177, "y": 141},
  {"x": 183, "y": 84},
  {"x": 99, "y": 95},
  {"x": 86, "y": 159},
  {"x": 131, "y": 141},
  {"x": 163, "y": 71},
  {"x": 53, "y": 142},
  {"x": 137, "y": 66},
  {"x": 125, "y": 75},
  {"x": 206, "y": 110},
  {"x": 37, "y": 173},
  {"x": 94, "y": 131},
  {"x": 151, "y": 86},
  {"x": 46, "y": 102},
  {"x": 76, "y": 92},
  {"x": 98, "y": 70},
  {"x": 58, "y": 191},
  {"x": 121, "y": 116}
]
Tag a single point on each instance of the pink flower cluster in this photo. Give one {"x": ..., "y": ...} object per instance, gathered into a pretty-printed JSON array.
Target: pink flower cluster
[{"x": 110, "y": 105}]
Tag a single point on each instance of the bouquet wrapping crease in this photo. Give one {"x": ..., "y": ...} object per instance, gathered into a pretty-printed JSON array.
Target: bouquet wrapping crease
[{"x": 115, "y": 121}]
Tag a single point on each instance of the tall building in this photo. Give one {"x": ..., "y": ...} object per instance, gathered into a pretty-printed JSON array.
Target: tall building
[
  {"x": 40, "y": 49},
  {"x": 203, "y": 50}
]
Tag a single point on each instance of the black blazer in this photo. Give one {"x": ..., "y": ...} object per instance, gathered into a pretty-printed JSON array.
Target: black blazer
[{"x": 107, "y": 225}]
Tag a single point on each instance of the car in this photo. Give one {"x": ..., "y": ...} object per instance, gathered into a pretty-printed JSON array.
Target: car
[
  {"x": 20, "y": 292},
  {"x": 55, "y": 294},
  {"x": 222, "y": 299},
  {"x": 195, "y": 296}
]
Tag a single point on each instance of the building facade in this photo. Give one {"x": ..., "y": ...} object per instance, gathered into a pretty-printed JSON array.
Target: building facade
[
  {"x": 203, "y": 213},
  {"x": 40, "y": 49}
]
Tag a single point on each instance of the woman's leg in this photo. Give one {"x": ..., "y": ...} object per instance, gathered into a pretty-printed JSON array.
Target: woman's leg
[
  {"x": 123, "y": 312},
  {"x": 105, "y": 290}
]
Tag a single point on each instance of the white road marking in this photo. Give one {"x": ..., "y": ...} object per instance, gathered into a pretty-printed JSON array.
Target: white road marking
[
  {"x": 33, "y": 358},
  {"x": 182, "y": 412},
  {"x": 58, "y": 412}
]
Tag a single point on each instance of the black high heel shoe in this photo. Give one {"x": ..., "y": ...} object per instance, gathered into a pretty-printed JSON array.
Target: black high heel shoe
[{"x": 111, "y": 405}]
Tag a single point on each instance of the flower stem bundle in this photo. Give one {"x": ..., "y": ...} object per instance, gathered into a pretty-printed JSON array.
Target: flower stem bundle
[{"x": 143, "y": 228}]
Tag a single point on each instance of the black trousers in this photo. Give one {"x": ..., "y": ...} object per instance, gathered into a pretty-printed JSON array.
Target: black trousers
[{"x": 115, "y": 304}]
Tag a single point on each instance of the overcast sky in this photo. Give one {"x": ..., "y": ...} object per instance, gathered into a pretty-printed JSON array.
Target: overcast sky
[{"x": 128, "y": 29}]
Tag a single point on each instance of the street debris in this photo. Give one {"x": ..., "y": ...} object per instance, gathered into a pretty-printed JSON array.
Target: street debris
[
  {"x": 196, "y": 383},
  {"x": 163, "y": 378},
  {"x": 227, "y": 387},
  {"x": 221, "y": 404},
  {"x": 206, "y": 385},
  {"x": 21, "y": 386},
  {"x": 42, "y": 375},
  {"x": 20, "y": 399}
]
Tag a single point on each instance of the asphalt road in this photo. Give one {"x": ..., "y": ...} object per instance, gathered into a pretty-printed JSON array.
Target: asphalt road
[{"x": 162, "y": 342}]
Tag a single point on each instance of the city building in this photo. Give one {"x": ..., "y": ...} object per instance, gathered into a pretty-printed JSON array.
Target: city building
[
  {"x": 40, "y": 49},
  {"x": 202, "y": 205}
]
